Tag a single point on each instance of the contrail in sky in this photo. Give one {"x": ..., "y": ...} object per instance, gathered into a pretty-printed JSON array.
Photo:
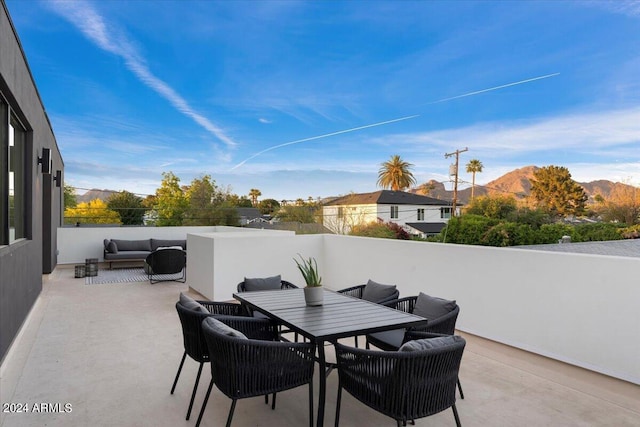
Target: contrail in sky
[
  {"x": 323, "y": 136},
  {"x": 326, "y": 135},
  {"x": 493, "y": 88}
]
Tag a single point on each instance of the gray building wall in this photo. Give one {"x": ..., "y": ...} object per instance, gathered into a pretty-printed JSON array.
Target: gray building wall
[{"x": 22, "y": 263}]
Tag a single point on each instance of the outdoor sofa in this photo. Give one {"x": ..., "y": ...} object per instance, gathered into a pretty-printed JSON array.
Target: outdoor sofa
[{"x": 117, "y": 250}]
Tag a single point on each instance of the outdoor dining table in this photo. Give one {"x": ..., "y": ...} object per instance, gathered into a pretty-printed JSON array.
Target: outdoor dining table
[{"x": 340, "y": 316}]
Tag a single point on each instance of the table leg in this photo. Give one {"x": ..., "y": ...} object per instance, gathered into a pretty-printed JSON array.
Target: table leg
[{"x": 322, "y": 364}]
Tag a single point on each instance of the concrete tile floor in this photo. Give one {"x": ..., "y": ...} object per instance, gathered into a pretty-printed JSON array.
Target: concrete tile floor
[{"x": 111, "y": 352}]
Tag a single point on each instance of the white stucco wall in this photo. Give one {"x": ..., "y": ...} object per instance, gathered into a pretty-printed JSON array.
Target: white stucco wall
[
  {"x": 577, "y": 308},
  {"x": 75, "y": 244},
  {"x": 223, "y": 260}
]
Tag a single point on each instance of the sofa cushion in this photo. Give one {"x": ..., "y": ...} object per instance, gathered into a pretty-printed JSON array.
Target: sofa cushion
[
  {"x": 106, "y": 243},
  {"x": 263, "y": 284},
  {"x": 223, "y": 329},
  {"x": 112, "y": 248},
  {"x": 126, "y": 255},
  {"x": 432, "y": 307},
  {"x": 429, "y": 343},
  {"x": 158, "y": 243},
  {"x": 133, "y": 245},
  {"x": 376, "y": 292}
]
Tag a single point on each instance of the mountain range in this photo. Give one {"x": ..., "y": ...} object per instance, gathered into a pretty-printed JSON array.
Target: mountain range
[{"x": 516, "y": 183}]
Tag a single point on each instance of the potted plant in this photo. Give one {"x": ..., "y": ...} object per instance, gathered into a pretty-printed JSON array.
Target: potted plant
[{"x": 313, "y": 293}]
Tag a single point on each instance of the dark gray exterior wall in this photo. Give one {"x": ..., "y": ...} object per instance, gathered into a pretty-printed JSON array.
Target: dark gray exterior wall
[{"x": 23, "y": 263}]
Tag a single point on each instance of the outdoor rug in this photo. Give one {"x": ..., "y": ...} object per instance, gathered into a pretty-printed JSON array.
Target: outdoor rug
[{"x": 126, "y": 275}]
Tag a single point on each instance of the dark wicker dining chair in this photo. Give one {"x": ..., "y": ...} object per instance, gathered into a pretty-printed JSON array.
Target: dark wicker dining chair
[
  {"x": 404, "y": 385},
  {"x": 392, "y": 340},
  {"x": 265, "y": 284},
  {"x": 166, "y": 261},
  {"x": 373, "y": 292},
  {"x": 242, "y": 367},
  {"x": 194, "y": 344}
]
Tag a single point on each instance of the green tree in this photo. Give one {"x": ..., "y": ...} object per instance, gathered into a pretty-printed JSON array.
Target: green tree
[
  {"x": 239, "y": 201},
  {"x": 395, "y": 174},
  {"x": 93, "y": 212},
  {"x": 128, "y": 206},
  {"x": 474, "y": 166},
  {"x": 554, "y": 191},
  {"x": 254, "y": 193},
  {"x": 269, "y": 206},
  {"x": 170, "y": 201},
  {"x": 303, "y": 214},
  {"x": 209, "y": 204},
  {"x": 492, "y": 206},
  {"x": 622, "y": 206},
  {"x": 70, "y": 200}
]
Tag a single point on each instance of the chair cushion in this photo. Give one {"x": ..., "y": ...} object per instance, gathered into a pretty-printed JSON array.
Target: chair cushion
[
  {"x": 375, "y": 292},
  {"x": 263, "y": 284},
  {"x": 393, "y": 338},
  {"x": 223, "y": 329},
  {"x": 429, "y": 343},
  {"x": 432, "y": 307},
  {"x": 192, "y": 304}
]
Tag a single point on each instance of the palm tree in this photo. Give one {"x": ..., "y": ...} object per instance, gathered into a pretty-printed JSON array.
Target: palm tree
[
  {"x": 395, "y": 174},
  {"x": 254, "y": 193},
  {"x": 474, "y": 166}
]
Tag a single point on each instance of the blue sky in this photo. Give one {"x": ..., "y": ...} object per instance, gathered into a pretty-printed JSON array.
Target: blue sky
[{"x": 134, "y": 89}]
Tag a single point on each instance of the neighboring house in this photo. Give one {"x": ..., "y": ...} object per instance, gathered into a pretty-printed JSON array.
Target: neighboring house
[
  {"x": 31, "y": 187},
  {"x": 419, "y": 215},
  {"x": 248, "y": 215}
]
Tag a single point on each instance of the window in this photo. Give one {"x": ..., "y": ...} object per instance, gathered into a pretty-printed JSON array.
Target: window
[
  {"x": 13, "y": 177},
  {"x": 445, "y": 213},
  {"x": 394, "y": 212},
  {"x": 340, "y": 212},
  {"x": 420, "y": 214}
]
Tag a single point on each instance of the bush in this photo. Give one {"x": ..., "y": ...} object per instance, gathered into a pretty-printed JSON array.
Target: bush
[
  {"x": 598, "y": 232},
  {"x": 467, "y": 229},
  {"x": 373, "y": 229},
  {"x": 552, "y": 233},
  {"x": 508, "y": 234}
]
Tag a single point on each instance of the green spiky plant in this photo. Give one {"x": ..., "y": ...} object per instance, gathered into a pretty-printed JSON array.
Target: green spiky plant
[{"x": 309, "y": 270}]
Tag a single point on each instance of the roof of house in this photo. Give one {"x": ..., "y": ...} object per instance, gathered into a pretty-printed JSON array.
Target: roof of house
[
  {"x": 387, "y": 197},
  {"x": 249, "y": 213},
  {"x": 628, "y": 248},
  {"x": 427, "y": 227}
]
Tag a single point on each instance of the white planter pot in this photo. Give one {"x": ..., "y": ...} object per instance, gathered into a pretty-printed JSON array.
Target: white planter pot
[{"x": 314, "y": 295}]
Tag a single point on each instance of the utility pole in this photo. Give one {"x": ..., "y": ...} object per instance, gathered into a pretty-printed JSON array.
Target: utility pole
[{"x": 455, "y": 180}]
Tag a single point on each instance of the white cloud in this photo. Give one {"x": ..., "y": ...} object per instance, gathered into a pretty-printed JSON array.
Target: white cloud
[
  {"x": 94, "y": 27},
  {"x": 587, "y": 132},
  {"x": 265, "y": 121}
]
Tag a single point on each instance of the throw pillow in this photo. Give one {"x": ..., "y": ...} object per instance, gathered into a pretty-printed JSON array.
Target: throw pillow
[
  {"x": 112, "y": 248},
  {"x": 429, "y": 343},
  {"x": 192, "y": 304},
  {"x": 376, "y": 292},
  {"x": 106, "y": 243},
  {"x": 263, "y": 284},
  {"x": 432, "y": 307},
  {"x": 223, "y": 329}
]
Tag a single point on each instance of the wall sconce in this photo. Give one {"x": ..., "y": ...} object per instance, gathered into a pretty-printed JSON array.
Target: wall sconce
[
  {"x": 58, "y": 178},
  {"x": 45, "y": 160}
]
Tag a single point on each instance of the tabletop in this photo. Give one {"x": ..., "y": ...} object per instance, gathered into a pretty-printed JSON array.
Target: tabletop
[{"x": 340, "y": 316}]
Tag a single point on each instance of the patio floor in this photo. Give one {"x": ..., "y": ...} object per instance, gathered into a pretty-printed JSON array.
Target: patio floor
[{"x": 111, "y": 351}]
